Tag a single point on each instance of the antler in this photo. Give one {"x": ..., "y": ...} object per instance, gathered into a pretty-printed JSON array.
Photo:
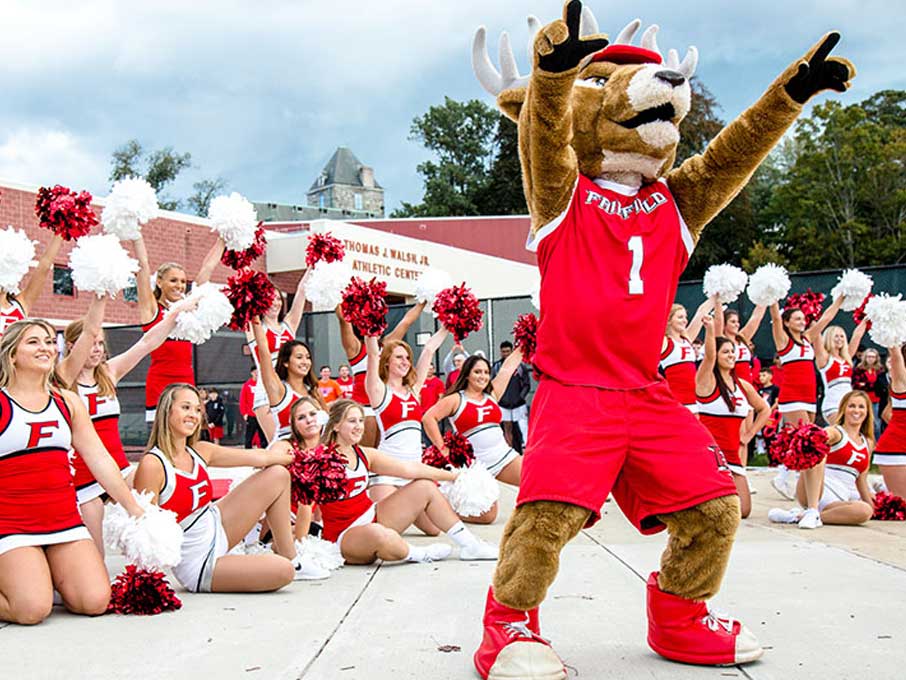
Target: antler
[
  {"x": 494, "y": 81},
  {"x": 588, "y": 25},
  {"x": 649, "y": 38},
  {"x": 629, "y": 30},
  {"x": 687, "y": 66}
]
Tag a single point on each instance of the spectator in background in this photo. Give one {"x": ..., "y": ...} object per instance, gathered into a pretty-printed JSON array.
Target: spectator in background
[
  {"x": 232, "y": 410},
  {"x": 866, "y": 376},
  {"x": 346, "y": 381},
  {"x": 432, "y": 390},
  {"x": 329, "y": 388},
  {"x": 214, "y": 410},
  {"x": 512, "y": 403},
  {"x": 453, "y": 362},
  {"x": 254, "y": 436},
  {"x": 699, "y": 350},
  {"x": 204, "y": 431},
  {"x": 767, "y": 390}
]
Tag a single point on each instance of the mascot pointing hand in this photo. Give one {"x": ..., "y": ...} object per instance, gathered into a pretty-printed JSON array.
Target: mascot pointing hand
[{"x": 614, "y": 225}]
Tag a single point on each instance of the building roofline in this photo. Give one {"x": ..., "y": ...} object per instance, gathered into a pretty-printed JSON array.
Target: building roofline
[{"x": 408, "y": 219}]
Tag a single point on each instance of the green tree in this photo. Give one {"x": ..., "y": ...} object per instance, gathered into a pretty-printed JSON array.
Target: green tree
[
  {"x": 159, "y": 168},
  {"x": 205, "y": 191},
  {"x": 502, "y": 193}
]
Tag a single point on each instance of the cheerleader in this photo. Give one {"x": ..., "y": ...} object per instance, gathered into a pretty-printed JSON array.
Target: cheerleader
[
  {"x": 677, "y": 363},
  {"x": 890, "y": 454},
  {"x": 172, "y": 361},
  {"x": 833, "y": 357},
  {"x": 742, "y": 338},
  {"x": 16, "y": 307},
  {"x": 471, "y": 406},
  {"x": 86, "y": 371},
  {"x": 724, "y": 401},
  {"x": 836, "y": 490},
  {"x": 175, "y": 470},
  {"x": 367, "y": 531},
  {"x": 357, "y": 356},
  {"x": 278, "y": 332},
  {"x": 43, "y": 543},
  {"x": 287, "y": 379}
]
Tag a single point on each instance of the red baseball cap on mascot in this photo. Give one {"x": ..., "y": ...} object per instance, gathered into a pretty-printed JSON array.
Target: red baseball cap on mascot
[{"x": 627, "y": 54}]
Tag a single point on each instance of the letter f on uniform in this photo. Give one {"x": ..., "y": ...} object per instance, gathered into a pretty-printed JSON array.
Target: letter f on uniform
[{"x": 41, "y": 430}]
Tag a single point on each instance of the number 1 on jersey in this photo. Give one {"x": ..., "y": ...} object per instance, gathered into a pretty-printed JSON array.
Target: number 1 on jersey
[{"x": 636, "y": 285}]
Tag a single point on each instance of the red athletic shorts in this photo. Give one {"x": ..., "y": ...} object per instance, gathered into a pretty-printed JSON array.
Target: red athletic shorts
[{"x": 642, "y": 444}]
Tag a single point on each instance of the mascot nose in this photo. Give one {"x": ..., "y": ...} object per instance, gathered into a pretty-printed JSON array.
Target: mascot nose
[{"x": 675, "y": 78}]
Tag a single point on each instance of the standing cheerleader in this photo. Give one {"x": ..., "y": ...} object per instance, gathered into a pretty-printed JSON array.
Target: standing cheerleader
[
  {"x": 724, "y": 402},
  {"x": 172, "y": 361},
  {"x": 833, "y": 357},
  {"x": 471, "y": 406},
  {"x": 289, "y": 378},
  {"x": 677, "y": 362},
  {"x": 175, "y": 470},
  {"x": 890, "y": 455},
  {"x": 357, "y": 356},
  {"x": 88, "y": 372},
  {"x": 742, "y": 338},
  {"x": 835, "y": 491},
  {"x": 43, "y": 542},
  {"x": 16, "y": 307},
  {"x": 278, "y": 331}
]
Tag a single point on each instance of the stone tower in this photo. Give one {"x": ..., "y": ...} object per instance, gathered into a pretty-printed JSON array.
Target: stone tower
[{"x": 347, "y": 184}]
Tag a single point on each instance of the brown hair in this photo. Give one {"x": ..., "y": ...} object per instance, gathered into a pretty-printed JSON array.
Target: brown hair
[
  {"x": 10, "y": 342},
  {"x": 726, "y": 391},
  {"x": 106, "y": 386},
  {"x": 384, "y": 362},
  {"x": 867, "y": 429},
  {"x": 282, "y": 368},
  {"x": 161, "y": 436},
  {"x": 785, "y": 317},
  {"x": 462, "y": 380},
  {"x": 296, "y": 436},
  {"x": 338, "y": 411}
]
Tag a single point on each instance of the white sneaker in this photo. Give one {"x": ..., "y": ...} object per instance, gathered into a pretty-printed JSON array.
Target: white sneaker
[
  {"x": 781, "y": 516},
  {"x": 781, "y": 485},
  {"x": 433, "y": 552},
  {"x": 307, "y": 570},
  {"x": 479, "y": 550},
  {"x": 811, "y": 519}
]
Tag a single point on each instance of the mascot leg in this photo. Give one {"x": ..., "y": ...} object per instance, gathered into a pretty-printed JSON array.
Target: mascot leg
[
  {"x": 512, "y": 646},
  {"x": 680, "y": 626}
]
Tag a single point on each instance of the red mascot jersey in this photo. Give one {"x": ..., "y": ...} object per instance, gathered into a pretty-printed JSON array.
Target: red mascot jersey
[{"x": 609, "y": 265}]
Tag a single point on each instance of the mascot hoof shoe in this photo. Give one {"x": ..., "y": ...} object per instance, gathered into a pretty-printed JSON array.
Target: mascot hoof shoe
[
  {"x": 686, "y": 631},
  {"x": 512, "y": 647}
]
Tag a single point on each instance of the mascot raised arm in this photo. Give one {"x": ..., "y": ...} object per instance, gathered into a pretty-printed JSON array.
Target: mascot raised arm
[{"x": 614, "y": 224}]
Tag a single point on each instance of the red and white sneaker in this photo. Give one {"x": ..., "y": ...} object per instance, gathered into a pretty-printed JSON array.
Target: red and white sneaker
[
  {"x": 512, "y": 647},
  {"x": 685, "y": 630}
]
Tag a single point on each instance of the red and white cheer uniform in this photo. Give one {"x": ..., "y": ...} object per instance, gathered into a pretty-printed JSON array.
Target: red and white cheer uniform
[
  {"x": 189, "y": 494},
  {"x": 400, "y": 424},
  {"x": 891, "y": 448},
  {"x": 282, "y": 412},
  {"x": 15, "y": 312},
  {"x": 743, "y": 367},
  {"x": 798, "y": 389},
  {"x": 837, "y": 378},
  {"x": 602, "y": 417},
  {"x": 105, "y": 416},
  {"x": 724, "y": 424},
  {"x": 358, "y": 365},
  {"x": 275, "y": 340},
  {"x": 678, "y": 366},
  {"x": 845, "y": 462},
  {"x": 355, "y": 508},
  {"x": 170, "y": 363},
  {"x": 37, "y": 498},
  {"x": 479, "y": 422}
]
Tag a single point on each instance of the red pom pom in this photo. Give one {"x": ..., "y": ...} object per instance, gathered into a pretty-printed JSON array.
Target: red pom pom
[
  {"x": 364, "y": 306},
  {"x": 458, "y": 311},
  {"x": 240, "y": 259},
  {"x": 770, "y": 433},
  {"x": 800, "y": 447},
  {"x": 141, "y": 591},
  {"x": 809, "y": 302},
  {"x": 889, "y": 507},
  {"x": 318, "y": 475},
  {"x": 323, "y": 247},
  {"x": 525, "y": 334},
  {"x": 461, "y": 452},
  {"x": 65, "y": 212},
  {"x": 859, "y": 312},
  {"x": 251, "y": 293},
  {"x": 433, "y": 457}
]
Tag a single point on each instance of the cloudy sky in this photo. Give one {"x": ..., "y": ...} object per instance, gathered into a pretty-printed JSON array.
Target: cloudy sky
[{"x": 261, "y": 93}]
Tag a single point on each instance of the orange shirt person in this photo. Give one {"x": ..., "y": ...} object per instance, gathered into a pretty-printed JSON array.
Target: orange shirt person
[{"x": 330, "y": 388}]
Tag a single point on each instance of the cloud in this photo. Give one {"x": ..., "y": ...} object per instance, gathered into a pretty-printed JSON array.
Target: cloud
[{"x": 40, "y": 156}]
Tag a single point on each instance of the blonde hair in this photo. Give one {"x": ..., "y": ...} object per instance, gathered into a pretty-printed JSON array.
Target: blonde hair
[
  {"x": 867, "y": 429},
  {"x": 384, "y": 362},
  {"x": 307, "y": 399},
  {"x": 161, "y": 435},
  {"x": 863, "y": 364},
  {"x": 9, "y": 343},
  {"x": 827, "y": 340},
  {"x": 338, "y": 411},
  {"x": 163, "y": 269},
  {"x": 106, "y": 386},
  {"x": 674, "y": 308}
]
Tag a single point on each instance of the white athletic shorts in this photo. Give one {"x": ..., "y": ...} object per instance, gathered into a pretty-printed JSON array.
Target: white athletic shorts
[
  {"x": 789, "y": 407},
  {"x": 511, "y": 415},
  {"x": 497, "y": 458},
  {"x": 839, "y": 487},
  {"x": 204, "y": 542}
]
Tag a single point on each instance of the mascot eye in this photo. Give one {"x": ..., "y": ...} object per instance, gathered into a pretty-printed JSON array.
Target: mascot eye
[{"x": 596, "y": 81}]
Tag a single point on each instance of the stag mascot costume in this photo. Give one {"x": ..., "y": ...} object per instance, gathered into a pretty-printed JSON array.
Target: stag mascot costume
[{"x": 614, "y": 224}]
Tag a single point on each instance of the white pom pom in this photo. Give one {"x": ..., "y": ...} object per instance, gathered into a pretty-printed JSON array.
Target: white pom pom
[
  {"x": 854, "y": 286},
  {"x": 234, "y": 218},
  {"x": 325, "y": 284},
  {"x": 324, "y": 554},
  {"x": 131, "y": 204},
  {"x": 769, "y": 284},
  {"x": 724, "y": 280},
  {"x": 430, "y": 283},
  {"x": 100, "y": 264},
  {"x": 887, "y": 314},
  {"x": 474, "y": 491},
  {"x": 150, "y": 542},
  {"x": 17, "y": 255},
  {"x": 536, "y": 298},
  {"x": 213, "y": 312}
]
